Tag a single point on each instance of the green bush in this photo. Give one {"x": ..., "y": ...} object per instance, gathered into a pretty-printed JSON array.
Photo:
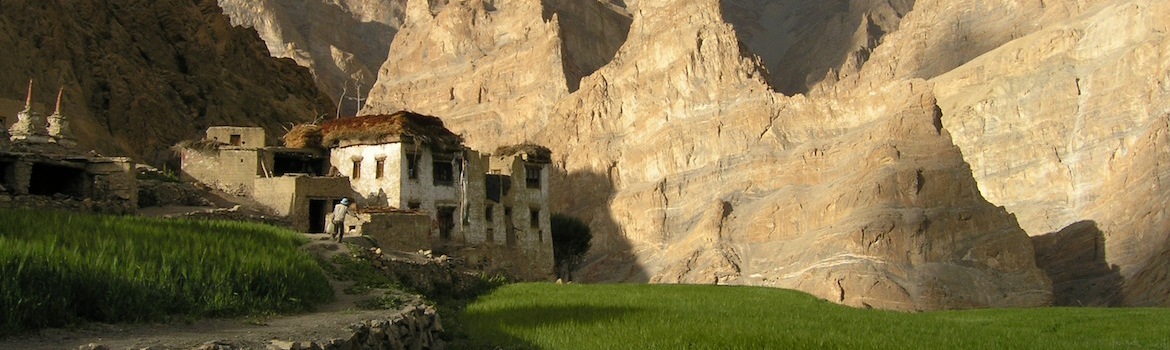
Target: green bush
[
  {"x": 58, "y": 268},
  {"x": 570, "y": 238}
]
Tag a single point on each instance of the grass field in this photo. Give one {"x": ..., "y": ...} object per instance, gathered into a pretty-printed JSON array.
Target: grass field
[
  {"x": 549, "y": 316},
  {"x": 57, "y": 269}
]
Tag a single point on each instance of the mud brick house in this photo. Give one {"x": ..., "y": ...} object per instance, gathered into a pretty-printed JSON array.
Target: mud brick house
[{"x": 416, "y": 186}]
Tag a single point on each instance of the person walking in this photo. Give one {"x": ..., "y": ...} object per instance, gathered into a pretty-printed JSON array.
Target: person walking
[{"x": 339, "y": 212}]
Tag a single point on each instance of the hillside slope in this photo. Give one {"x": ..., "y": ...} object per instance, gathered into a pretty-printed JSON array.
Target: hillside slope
[{"x": 140, "y": 76}]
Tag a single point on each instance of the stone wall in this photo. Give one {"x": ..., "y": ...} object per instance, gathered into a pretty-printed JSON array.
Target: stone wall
[
  {"x": 86, "y": 184},
  {"x": 232, "y": 170},
  {"x": 249, "y": 137},
  {"x": 408, "y": 232}
]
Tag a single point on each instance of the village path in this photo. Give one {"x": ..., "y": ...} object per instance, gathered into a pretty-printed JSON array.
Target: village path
[{"x": 329, "y": 321}]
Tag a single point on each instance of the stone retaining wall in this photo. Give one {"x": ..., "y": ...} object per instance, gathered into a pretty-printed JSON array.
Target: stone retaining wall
[{"x": 417, "y": 327}]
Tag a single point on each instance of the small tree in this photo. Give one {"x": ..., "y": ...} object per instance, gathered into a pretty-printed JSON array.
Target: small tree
[{"x": 570, "y": 238}]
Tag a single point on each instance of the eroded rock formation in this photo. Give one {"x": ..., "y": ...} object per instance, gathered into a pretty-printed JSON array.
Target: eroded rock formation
[{"x": 342, "y": 42}]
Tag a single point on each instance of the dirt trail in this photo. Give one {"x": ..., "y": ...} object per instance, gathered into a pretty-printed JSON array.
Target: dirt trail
[{"x": 328, "y": 322}]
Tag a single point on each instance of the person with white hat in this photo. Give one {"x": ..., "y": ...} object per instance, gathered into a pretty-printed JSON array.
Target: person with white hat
[{"x": 339, "y": 212}]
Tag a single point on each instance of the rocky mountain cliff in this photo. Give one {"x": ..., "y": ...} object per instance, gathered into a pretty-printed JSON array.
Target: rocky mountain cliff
[
  {"x": 139, "y": 76},
  {"x": 902, "y": 154}
]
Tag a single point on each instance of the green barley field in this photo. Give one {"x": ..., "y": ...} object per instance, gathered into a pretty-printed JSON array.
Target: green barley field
[
  {"x": 58, "y": 269},
  {"x": 549, "y": 316}
]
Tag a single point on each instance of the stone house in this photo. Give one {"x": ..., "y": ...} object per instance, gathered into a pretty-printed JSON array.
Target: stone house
[
  {"x": 415, "y": 184},
  {"x": 38, "y": 158},
  {"x": 291, "y": 182}
]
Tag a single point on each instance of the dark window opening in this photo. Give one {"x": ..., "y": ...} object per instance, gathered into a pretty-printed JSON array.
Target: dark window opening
[
  {"x": 413, "y": 205},
  {"x": 444, "y": 173},
  {"x": 235, "y": 140},
  {"x": 318, "y": 213},
  {"x": 48, "y": 179},
  {"x": 497, "y": 186},
  {"x": 357, "y": 170},
  {"x": 489, "y": 213},
  {"x": 5, "y": 177},
  {"x": 412, "y": 166},
  {"x": 532, "y": 176},
  {"x": 292, "y": 163},
  {"x": 446, "y": 222},
  {"x": 380, "y": 168},
  {"x": 534, "y": 218}
]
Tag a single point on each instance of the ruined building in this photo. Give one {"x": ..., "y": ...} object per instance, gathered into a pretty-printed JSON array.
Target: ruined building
[
  {"x": 417, "y": 187},
  {"x": 38, "y": 158}
]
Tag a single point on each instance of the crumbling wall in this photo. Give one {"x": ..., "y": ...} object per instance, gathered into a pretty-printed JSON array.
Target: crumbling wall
[
  {"x": 102, "y": 185},
  {"x": 407, "y": 232}
]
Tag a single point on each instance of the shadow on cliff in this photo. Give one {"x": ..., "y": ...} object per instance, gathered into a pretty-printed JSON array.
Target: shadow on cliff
[
  {"x": 591, "y": 34},
  {"x": 586, "y": 196},
  {"x": 1074, "y": 259},
  {"x": 819, "y": 43},
  {"x": 371, "y": 50}
]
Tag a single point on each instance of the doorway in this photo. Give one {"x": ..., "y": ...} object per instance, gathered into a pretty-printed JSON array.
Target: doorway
[
  {"x": 446, "y": 222},
  {"x": 318, "y": 214},
  {"x": 50, "y": 179}
]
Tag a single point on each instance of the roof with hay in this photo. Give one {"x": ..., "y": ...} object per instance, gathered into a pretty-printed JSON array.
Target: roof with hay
[
  {"x": 376, "y": 129},
  {"x": 533, "y": 152}
]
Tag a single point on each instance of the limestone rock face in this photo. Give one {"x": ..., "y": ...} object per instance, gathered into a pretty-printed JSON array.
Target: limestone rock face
[
  {"x": 806, "y": 44},
  {"x": 691, "y": 169},
  {"x": 504, "y": 62},
  {"x": 1067, "y": 125},
  {"x": 140, "y": 76},
  {"x": 342, "y": 42}
]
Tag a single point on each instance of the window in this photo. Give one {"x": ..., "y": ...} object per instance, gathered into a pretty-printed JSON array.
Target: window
[
  {"x": 489, "y": 213},
  {"x": 497, "y": 186},
  {"x": 379, "y": 168},
  {"x": 444, "y": 172},
  {"x": 235, "y": 140},
  {"x": 534, "y": 218},
  {"x": 412, "y": 166},
  {"x": 413, "y": 205},
  {"x": 532, "y": 176},
  {"x": 357, "y": 169}
]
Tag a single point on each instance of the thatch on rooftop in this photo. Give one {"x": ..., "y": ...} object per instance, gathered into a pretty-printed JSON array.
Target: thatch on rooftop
[
  {"x": 303, "y": 136},
  {"x": 398, "y": 127},
  {"x": 534, "y": 152}
]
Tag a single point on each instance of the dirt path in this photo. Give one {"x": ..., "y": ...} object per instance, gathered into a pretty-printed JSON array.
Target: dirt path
[{"x": 328, "y": 322}]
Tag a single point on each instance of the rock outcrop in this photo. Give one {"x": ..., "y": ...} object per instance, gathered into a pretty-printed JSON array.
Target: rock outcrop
[
  {"x": 1068, "y": 125},
  {"x": 693, "y": 170},
  {"x": 140, "y": 76},
  {"x": 341, "y": 42}
]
